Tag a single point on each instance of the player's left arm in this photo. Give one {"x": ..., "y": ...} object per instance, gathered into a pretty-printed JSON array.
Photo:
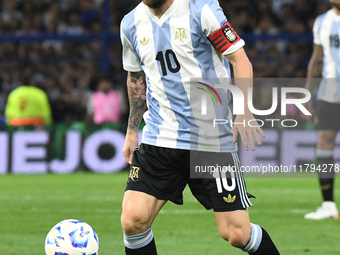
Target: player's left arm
[
  {"x": 224, "y": 38},
  {"x": 243, "y": 72}
]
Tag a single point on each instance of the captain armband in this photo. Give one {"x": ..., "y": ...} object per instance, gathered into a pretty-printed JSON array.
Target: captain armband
[{"x": 224, "y": 38}]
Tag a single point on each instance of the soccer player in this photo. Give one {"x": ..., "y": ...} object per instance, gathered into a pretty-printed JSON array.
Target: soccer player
[
  {"x": 165, "y": 44},
  {"x": 327, "y": 53}
]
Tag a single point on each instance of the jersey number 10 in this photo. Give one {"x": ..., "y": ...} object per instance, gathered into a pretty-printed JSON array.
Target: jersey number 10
[
  {"x": 166, "y": 63},
  {"x": 334, "y": 41},
  {"x": 222, "y": 180}
]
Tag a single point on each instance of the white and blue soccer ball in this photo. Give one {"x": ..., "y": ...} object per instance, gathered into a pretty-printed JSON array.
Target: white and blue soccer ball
[{"x": 72, "y": 237}]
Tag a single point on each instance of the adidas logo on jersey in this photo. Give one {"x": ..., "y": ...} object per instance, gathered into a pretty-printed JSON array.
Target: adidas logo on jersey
[
  {"x": 145, "y": 42},
  {"x": 229, "y": 199}
]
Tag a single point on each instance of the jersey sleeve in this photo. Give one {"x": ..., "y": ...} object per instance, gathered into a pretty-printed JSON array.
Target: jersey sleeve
[
  {"x": 131, "y": 61},
  {"x": 218, "y": 30},
  {"x": 316, "y": 30}
]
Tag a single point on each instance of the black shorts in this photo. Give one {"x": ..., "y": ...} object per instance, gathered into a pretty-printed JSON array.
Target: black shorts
[
  {"x": 164, "y": 173},
  {"x": 327, "y": 116}
]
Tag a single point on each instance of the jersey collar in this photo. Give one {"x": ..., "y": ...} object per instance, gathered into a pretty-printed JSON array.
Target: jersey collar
[
  {"x": 336, "y": 17},
  {"x": 172, "y": 9}
]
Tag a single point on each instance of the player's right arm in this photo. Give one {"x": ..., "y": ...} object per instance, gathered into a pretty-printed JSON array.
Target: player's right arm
[{"x": 136, "y": 87}]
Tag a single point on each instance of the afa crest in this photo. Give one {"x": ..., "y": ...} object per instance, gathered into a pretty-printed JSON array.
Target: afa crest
[
  {"x": 181, "y": 35},
  {"x": 134, "y": 173}
]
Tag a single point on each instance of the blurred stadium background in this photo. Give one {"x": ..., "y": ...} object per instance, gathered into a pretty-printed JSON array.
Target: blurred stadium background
[{"x": 66, "y": 48}]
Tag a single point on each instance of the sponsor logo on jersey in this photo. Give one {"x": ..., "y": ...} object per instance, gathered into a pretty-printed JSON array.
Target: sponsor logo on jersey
[
  {"x": 145, "y": 42},
  {"x": 229, "y": 34},
  {"x": 180, "y": 35},
  {"x": 134, "y": 173},
  {"x": 229, "y": 199}
]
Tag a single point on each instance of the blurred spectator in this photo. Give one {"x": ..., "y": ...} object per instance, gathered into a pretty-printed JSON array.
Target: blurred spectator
[
  {"x": 68, "y": 71},
  {"x": 72, "y": 26},
  {"x": 10, "y": 13},
  {"x": 105, "y": 104},
  {"x": 89, "y": 13},
  {"x": 28, "y": 106}
]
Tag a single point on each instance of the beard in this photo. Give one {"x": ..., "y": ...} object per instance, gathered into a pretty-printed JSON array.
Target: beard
[
  {"x": 335, "y": 4},
  {"x": 154, "y": 4}
]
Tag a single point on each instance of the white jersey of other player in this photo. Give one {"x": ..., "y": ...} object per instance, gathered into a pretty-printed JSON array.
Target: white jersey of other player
[
  {"x": 326, "y": 33},
  {"x": 171, "y": 51}
]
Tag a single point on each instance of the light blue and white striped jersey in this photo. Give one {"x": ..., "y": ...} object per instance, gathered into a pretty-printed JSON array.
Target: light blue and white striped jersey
[
  {"x": 171, "y": 51},
  {"x": 326, "y": 33}
]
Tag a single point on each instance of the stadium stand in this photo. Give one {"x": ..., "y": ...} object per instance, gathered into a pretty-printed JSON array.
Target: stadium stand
[{"x": 65, "y": 46}]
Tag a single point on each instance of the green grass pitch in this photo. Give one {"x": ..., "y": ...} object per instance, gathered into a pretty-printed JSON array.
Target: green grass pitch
[{"x": 31, "y": 205}]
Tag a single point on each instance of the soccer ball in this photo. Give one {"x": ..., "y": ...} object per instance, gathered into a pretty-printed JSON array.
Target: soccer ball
[{"x": 72, "y": 237}]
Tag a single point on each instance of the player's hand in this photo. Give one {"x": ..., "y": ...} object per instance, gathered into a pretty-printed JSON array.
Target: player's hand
[
  {"x": 131, "y": 143},
  {"x": 248, "y": 133}
]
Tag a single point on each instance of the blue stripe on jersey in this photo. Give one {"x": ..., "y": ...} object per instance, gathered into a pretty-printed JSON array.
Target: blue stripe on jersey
[
  {"x": 202, "y": 48},
  {"x": 222, "y": 113},
  {"x": 217, "y": 10},
  {"x": 130, "y": 30},
  {"x": 320, "y": 20},
  {"x": 334, "y": 50},
  {"x": 153, "y": 110},
  {"x": 172, "y": 82},
  {"x": 201, "y": 44}
]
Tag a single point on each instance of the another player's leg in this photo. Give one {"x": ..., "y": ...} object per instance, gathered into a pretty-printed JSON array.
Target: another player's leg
[
  {"x": 139, "y": 211},
  {"x": 236, "y": 228},
  {"x": 324, "y": 153}
]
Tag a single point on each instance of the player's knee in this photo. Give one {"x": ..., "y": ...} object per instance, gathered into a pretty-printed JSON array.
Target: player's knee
[
  {"x": 236, "y": 236},
  {"x": 134, "y": 223}
]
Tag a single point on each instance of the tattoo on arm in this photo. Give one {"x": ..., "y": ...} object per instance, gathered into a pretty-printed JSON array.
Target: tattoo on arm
[{"x": 137, "y": 98}]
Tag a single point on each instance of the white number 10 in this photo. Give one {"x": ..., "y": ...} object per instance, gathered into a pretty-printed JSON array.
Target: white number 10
[{"x": 221, "y": 180}]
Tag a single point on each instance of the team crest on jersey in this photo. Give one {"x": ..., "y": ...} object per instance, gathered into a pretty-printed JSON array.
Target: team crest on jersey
[
  {"x": 134, "y": 173},
  {"x": 229, "y": 34},
  {"x": 145, "y": 41},
  {"x": 180, "y": 35}
]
